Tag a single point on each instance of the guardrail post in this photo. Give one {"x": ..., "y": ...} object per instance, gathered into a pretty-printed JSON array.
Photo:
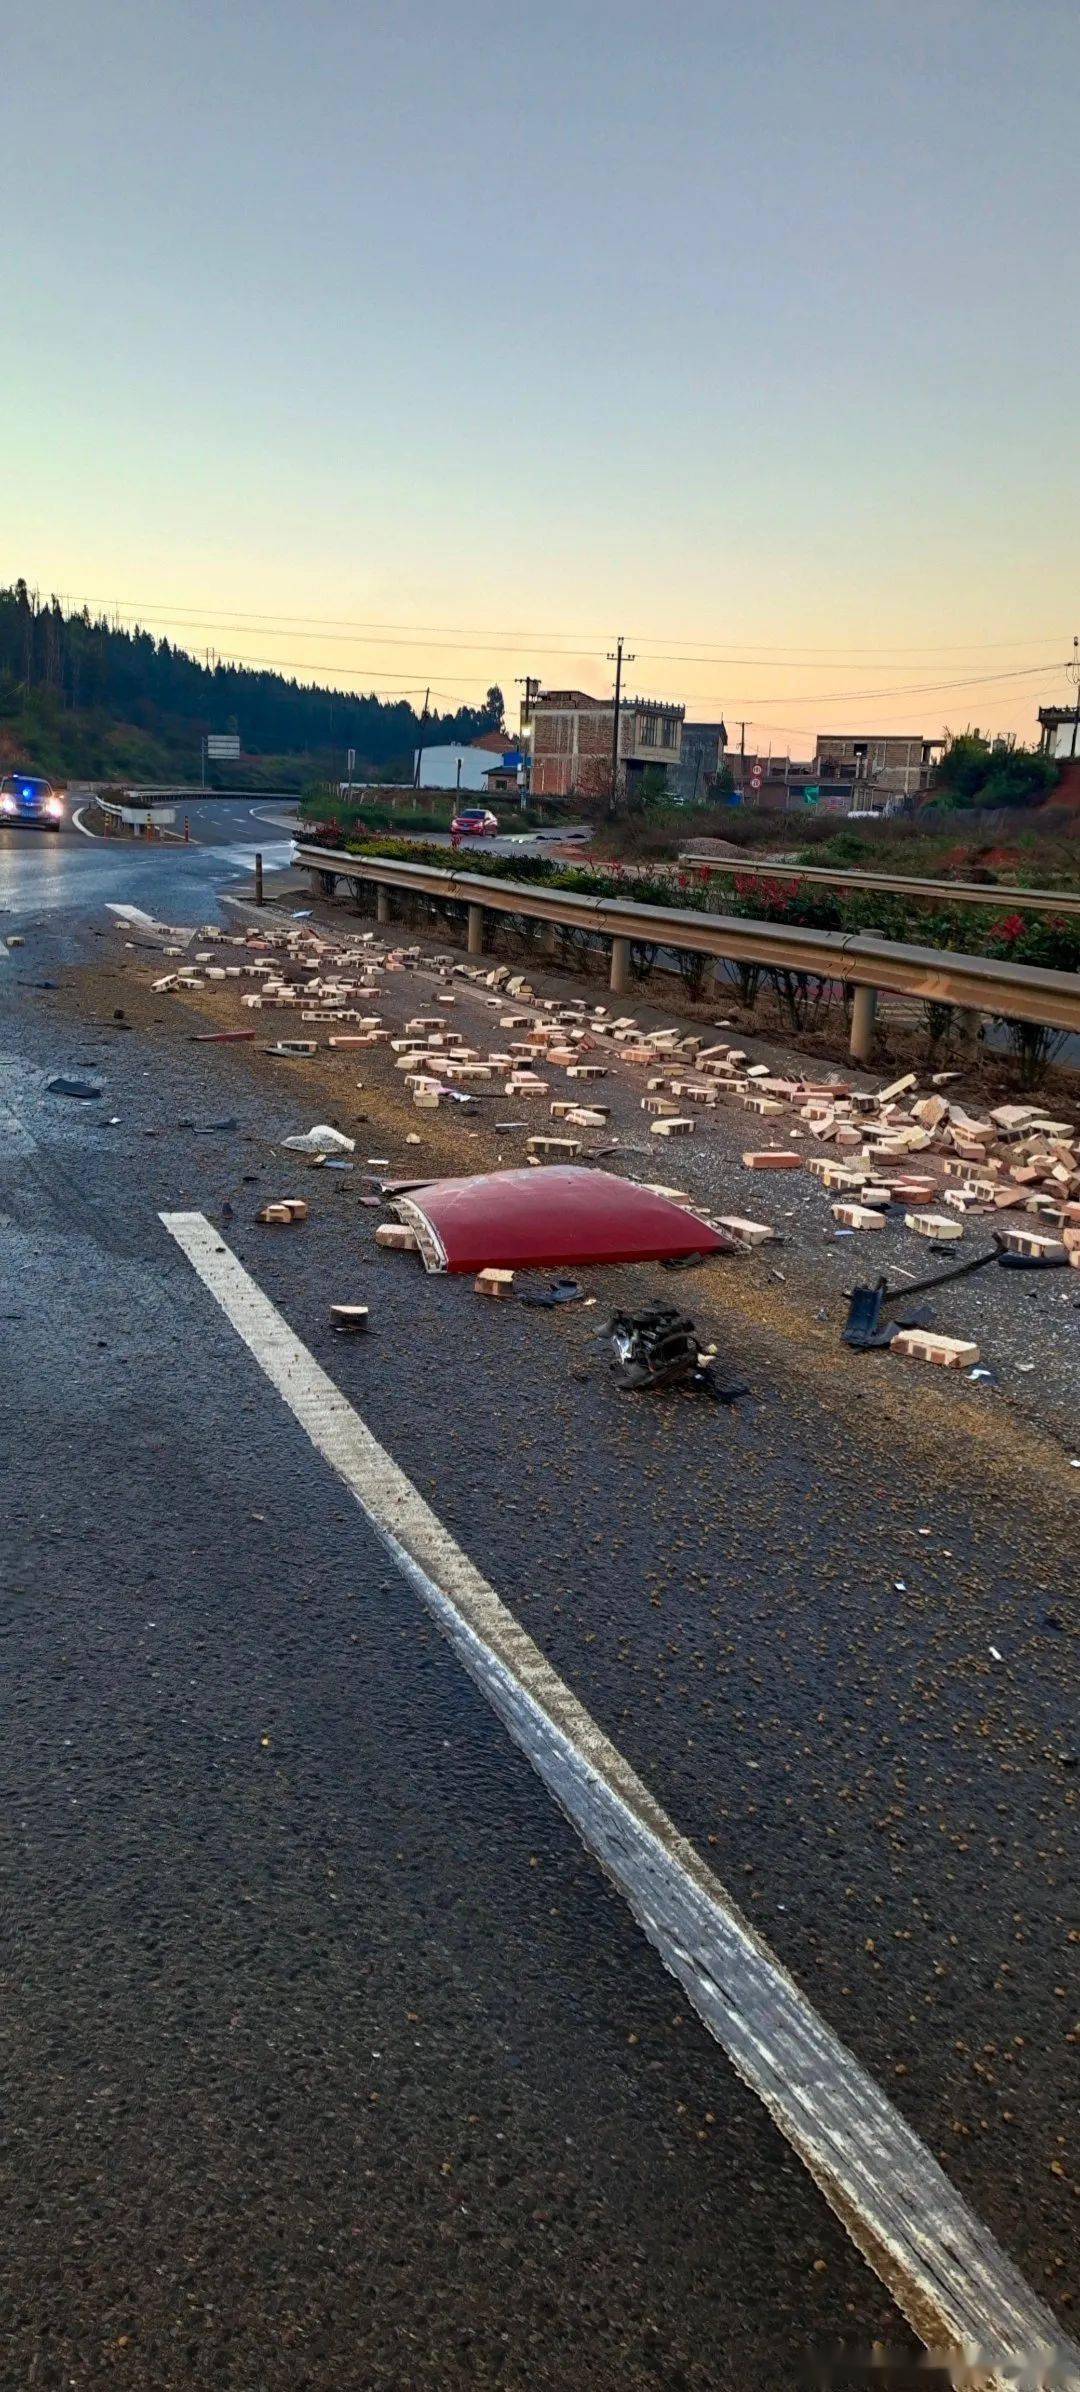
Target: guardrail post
[
  {"x": 862, "y": 1024},
  {"x": 382, "y": 903},
  {"x": 476, "y": 930},
  {"x": 258, "y": 879},
  {"x": 620, "y": 967},
  {"x": 549, "y": 938},
  {"x": 968, "y": 1024}
]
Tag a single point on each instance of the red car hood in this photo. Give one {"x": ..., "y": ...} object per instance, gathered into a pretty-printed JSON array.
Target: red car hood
[{"x": 559, "y": 1212}]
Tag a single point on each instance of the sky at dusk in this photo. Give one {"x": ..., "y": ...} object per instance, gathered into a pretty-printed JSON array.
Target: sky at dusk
[{"x": 430, "y": 344}]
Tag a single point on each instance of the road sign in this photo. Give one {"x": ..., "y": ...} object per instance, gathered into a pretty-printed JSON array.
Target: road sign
[
  {"x": 812, "y": 792},
  {"x": 221, "y": 745}
]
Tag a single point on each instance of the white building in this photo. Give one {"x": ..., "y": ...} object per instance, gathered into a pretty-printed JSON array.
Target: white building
[
  {"x": 1060, "y": 729},
  {"x": 455, "y": 767}
]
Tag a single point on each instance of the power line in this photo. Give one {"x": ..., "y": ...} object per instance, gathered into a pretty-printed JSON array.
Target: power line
[
  {"x": 833, "y": 697},
  {"x": 570, "y": 643},
  {"x": 291, "y": 664},
  {"x": 396, "y": 686},
  {"x": 910, "y": 689}
]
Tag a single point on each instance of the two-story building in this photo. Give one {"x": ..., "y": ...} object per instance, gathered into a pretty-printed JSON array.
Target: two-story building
[
  {"x": 571, "y": 742},
  {"x": 893, "y": 764}
]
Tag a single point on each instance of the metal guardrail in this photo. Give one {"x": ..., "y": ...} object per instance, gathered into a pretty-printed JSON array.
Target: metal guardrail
[
  {"x": 974, "y": 983},
  {"x": 942, "y": 892},
  {"x": 137, "y": 817}
]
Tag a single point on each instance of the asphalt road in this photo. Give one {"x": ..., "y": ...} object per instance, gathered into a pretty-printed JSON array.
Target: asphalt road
[
  {"x": 508, "y": 841},
  {"x": 70, "y": 872},
  {"x": 328, "y": 2056}
]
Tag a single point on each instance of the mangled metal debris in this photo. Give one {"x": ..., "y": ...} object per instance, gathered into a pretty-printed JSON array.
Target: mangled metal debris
[{"x": 659, "y": 1347}]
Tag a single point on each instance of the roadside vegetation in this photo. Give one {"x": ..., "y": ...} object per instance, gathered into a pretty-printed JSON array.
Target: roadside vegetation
[
  {"x": 82, "y": 697},
  {"x": 990, "y": 815},
  {"x": 941, "y": 842}
]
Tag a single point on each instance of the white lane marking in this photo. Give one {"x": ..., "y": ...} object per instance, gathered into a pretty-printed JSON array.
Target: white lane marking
[
  {"x": 284, "y": 822},
  {"x": 79, "y": 824},
  {"x": 136, "y": 919},
  {"x": 276, "y": 857},
  {"x": 945, "y": 2271}
]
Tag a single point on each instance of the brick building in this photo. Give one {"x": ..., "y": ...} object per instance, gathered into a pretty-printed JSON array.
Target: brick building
[
  {"x": 571, "y": 742},
  {"x": 895, "y": 763}
]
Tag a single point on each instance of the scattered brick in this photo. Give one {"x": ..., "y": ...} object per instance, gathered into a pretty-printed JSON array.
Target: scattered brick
[
  {"x": 933, "y": 1225},
  {"x": 499, "y": 1284},
  {"x": 349, "y": 1319},
  {"x": 748, "y": 1233},
  {"x": 925, "y": 1345},
  {"x": 1018, "y": 1239}
]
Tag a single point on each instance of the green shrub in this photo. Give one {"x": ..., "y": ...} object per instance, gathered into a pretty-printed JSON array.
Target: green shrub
[{"x": 1051, "y": 940}]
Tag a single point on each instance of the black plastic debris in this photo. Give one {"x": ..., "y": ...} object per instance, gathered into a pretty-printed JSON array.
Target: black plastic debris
[
  {"x": 659, "y": 1347},
  {"x": 865, "y": 1328},
  {"x": 561, "y": 1291},
  {"x": 866, "y": 1331},
  {"x": 84, "y": 1088},
  {"x": 1034, "y": 1262}
]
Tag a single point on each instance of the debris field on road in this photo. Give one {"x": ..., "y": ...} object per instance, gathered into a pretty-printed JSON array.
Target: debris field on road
[{"x": 881, "y": 1157}]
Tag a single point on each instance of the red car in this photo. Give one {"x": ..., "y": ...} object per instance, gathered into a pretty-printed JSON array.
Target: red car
[{"x": 474, "y": 822}]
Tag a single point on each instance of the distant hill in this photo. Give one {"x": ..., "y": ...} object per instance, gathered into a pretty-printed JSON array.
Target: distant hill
[{"x": 81, "y": 700}]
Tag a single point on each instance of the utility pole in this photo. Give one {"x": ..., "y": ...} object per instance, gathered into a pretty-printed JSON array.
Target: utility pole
[
  {"x": 529, "y": 685},
  {"x": 616, "y": 657},
  {"x": 1074, "y": 675},
  {"x": 420, "y": 741}
]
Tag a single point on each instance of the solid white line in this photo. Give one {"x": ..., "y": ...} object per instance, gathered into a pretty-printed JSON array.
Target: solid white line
[
  {"x": 954, "y": 2284},
  {"x": 276, "y": 857},
  {"x": 77, "y": 819}
]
